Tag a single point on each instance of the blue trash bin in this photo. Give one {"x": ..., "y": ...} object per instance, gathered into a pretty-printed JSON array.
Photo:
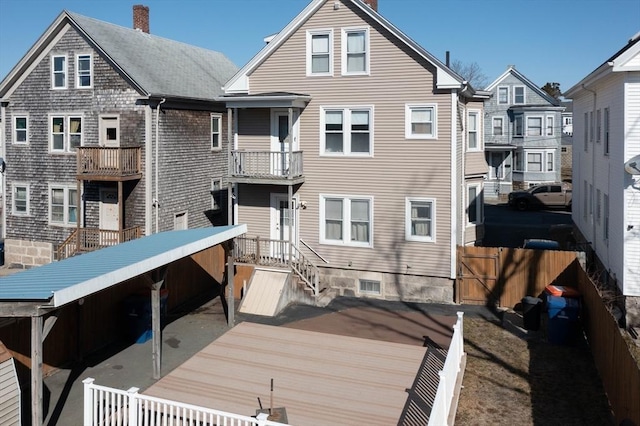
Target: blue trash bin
[{"x": 564, "y": 314}]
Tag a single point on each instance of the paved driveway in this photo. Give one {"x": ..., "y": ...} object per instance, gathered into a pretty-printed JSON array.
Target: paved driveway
[{"x": 506, "y": 227}]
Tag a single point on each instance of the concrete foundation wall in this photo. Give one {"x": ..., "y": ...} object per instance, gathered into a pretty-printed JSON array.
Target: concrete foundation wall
[
  {"x": 26, "y": 254},
  {"x": 405, "y": 287}
]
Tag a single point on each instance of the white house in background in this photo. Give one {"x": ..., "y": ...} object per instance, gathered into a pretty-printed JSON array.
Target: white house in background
[{"x": 606, "y": 208}]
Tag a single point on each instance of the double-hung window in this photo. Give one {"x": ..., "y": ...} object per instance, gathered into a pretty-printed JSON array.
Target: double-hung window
[
  {"x": 66, "y": 133},
  {"x": 518, "y": 95},
  {"x": 606, "y": 131},
  {"x": 518, "y": 125},
  {"x": 59, "y": 71},
  {"x": 216, "y": 129},
  {"x": 63, "y": 205},
  {"x": 346, "y": 220},
  {"x": 84, "y": 71},
  {"x": 20, "y": 200},
  {"x": 598, "y": 125},
  {"x": 498, "y": 126},
  {"x": 503, "y": 95},
  {"x": 534, "y": 126},
  {"x": 549, "y": 161},
  {"x": 320, "y": 52},
  {"x": 20, "y": 129},
  {"x": 420, "y": 219},
  {"x": 605, "y": 218},
  {"x": 355, "y": 51},
  {"x": 550, "y": 126},
  {"x": 420, "y": 121},
  {"x": 586, "y": 132},
  {"x": 474, "y": 204},
  {"x": 591, "y": 127},
  {"x": 347, "y": 131},
  {"x": 534, "y": 161},
  {"x": 473, "y": 131}
]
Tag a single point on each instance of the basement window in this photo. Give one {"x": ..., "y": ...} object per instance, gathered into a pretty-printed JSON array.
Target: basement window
[{"x": 369, "y": 287}]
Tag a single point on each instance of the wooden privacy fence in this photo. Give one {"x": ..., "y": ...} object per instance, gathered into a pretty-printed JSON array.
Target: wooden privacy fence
[
  {"x": 503, "y": 276},
  {"x": 618, "y": 369}
]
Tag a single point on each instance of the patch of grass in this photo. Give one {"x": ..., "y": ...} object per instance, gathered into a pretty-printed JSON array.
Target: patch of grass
[{"x": 515, "y": 377}]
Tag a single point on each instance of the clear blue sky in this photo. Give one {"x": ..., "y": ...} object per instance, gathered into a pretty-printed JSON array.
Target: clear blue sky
[{"x": 547, "y": 40}]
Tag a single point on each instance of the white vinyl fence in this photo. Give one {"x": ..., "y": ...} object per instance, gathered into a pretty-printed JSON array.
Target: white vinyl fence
[
  {"x": 105, "y": 406},
  {"x": 443, "y": 401}
]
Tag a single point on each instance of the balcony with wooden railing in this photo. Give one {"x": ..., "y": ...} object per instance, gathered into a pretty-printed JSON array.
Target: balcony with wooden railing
[
  {"x": 266, "y": 167},
  {"x": 84, "y": 240},
  {"x": 109, "y": 164}
]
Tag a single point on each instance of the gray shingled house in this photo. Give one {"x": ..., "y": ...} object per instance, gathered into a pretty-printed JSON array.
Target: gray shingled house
[{"x": 110, "y": 133}]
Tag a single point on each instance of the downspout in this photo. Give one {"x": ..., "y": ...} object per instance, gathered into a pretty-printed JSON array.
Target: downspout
[
  {"x": 156, "y": 200},
  {"x": 454, "y": 199},
  {"x": 3, "y": 151},
  {"x": 593, "y": 166}
]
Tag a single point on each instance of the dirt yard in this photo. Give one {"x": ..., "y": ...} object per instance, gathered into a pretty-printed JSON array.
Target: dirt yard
[{"x": 518, "y": 377}]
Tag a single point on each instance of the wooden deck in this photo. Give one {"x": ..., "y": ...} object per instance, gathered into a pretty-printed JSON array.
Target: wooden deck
[{"x": 319, "y": 378}]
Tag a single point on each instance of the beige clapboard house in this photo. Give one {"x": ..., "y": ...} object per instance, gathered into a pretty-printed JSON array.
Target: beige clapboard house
[{"x": 358, "y": 151}]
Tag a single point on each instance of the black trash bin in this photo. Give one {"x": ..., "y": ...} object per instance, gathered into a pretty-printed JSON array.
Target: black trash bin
[{"x": 531, "y": 310}]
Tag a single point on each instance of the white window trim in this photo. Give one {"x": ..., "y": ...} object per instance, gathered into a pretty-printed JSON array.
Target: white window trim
[
  {"x": 553, "y": 161},
  {"x": 67, "y": 135},
  {"x": 310, "y": 34},
  {"x": 53, "y": 72},
  {"x": 65, "y": 223},
  {"x": 493, "y": 126},
  {"x": 524, "y": 125},
  {"x": 524, "y": 95},
  {"x": 14, "y": 130},
  {"x": 77, "y": 67},
  {"x": 407, "y": 220},
  {"x": 479, "y": 203},
  {"x": 346, "y": 221},
  {"x": 543, "y": 153},
  {"x": 346, "y": 131},
  {"x": 407, "y": 121},
  {"x": 216, "y": 194},
  {"x": 14, "y": 186},
  {"x": 369, "y": 292},
  {"x": 542, "y": 126},
  {"x": 498, "y": 95},
  {"x": 219, "y": 117},
  {"x": 345, "y": 31},
  {"x": 550, "y": 118},
  {"x": 479, "y": 131},
  {"x": 606, "y": 129}
]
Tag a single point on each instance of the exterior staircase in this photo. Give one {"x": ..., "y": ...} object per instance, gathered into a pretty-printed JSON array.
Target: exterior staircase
[{"x": 83, "y": 240}]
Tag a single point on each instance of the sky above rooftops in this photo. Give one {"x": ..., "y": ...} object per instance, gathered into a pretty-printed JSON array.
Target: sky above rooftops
[{"x": 547, "y": 40}]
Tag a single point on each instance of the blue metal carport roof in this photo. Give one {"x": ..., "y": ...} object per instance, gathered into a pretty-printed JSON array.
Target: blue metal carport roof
[{"x": 59, "y": 283}]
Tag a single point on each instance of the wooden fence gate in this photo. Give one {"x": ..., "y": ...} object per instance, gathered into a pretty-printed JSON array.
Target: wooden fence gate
[{"x": 500, "y": 276}]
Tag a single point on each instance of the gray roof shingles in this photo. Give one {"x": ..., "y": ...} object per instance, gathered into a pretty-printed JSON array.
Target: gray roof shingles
[{"x": 161, "y": 67}]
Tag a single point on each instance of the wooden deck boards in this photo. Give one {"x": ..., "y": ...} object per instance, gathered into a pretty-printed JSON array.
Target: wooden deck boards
[{"x": 321, "y": 379}]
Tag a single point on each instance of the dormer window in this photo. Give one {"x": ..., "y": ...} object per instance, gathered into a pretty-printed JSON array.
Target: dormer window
[
  {"x": 59, "y": 72},
  {"x": 320, "y": 52},
  {"x": 355, "y": 51},
  {"x": 84, "y": 70}
]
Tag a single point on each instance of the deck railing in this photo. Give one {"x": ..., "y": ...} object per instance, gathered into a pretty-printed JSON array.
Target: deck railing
[
  {"x": 450, "y": 378},
  {"x": 276, "y": 253},
  {"x": 104, "y": 161},
  {"x": 266, "y": 164},
  {"x": 108, "y": 406},
  {"x": 89, "y": 239}
]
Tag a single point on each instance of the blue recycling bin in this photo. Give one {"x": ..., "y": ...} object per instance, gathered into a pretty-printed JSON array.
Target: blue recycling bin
[
  {"x": 138, "y": 311},
  {"x": 564, "y": 315}
]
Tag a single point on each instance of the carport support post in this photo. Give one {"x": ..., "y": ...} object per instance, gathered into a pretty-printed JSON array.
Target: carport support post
[
  {"x": 36, "y": 370},
  {"x": 230, "y": 297},
  {"x": 155, "y": 328}
]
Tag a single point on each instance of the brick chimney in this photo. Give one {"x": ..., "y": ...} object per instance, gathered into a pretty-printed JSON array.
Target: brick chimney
[
  {"x": 141, "y": 18},
  {"x": 373, "y": 4}
]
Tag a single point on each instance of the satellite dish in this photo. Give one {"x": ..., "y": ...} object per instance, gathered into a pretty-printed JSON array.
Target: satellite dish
[{"x": 632, "y": 166}]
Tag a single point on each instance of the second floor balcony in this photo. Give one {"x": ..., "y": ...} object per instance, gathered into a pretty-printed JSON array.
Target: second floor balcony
[
  {"x": 109, "y": 164},
  {"x": 266, "y": 167}
]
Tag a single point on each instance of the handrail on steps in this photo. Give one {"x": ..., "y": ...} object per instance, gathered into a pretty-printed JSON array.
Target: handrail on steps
[{"x": 269, "y": 252}]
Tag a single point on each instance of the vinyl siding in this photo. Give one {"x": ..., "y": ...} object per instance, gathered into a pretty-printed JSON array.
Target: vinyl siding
[
  {"x": 399, "y": 167},
  {"x": 9, "y": 394}
]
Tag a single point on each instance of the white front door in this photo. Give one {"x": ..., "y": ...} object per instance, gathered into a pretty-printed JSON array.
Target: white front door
[
  {"x": 109, "y": 216},
  {"x": 280, "y": 141},
  {"x": 110, "y": 131},
  {"x": 282, "y": 225}
]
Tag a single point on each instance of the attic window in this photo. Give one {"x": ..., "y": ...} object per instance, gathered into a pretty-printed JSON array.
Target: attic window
[
  {"x": 59, "y": 72},
  {"x": 83, "y": 71}
]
